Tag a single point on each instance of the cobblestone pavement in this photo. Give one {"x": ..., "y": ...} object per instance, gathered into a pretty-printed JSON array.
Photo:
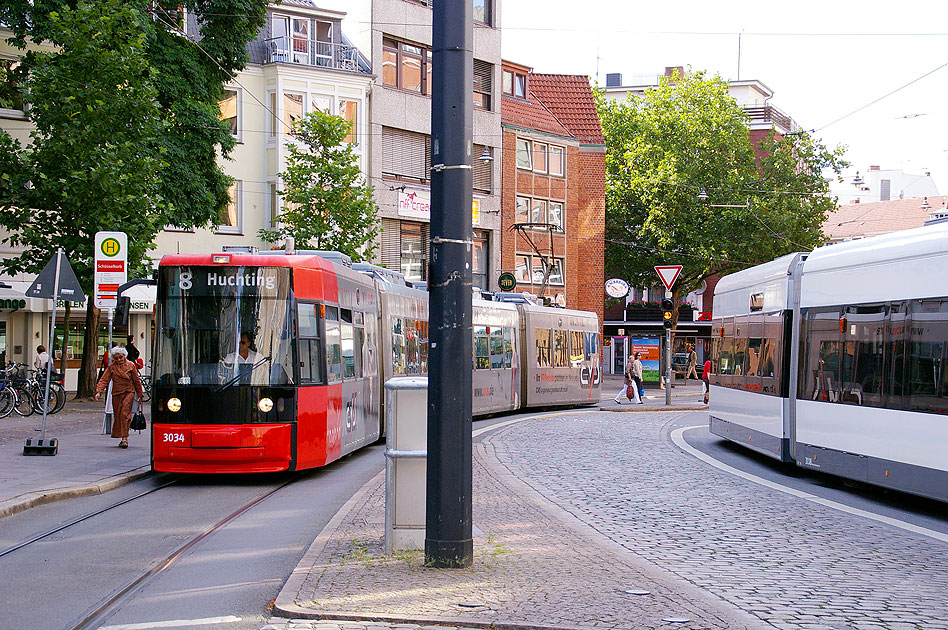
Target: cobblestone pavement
[
  {"x": 791, "y": 563},
  {"x": 535, "y": 567}
]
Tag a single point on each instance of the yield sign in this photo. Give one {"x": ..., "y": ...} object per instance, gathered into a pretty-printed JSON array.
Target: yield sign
[{"x": 668, "y": 274}]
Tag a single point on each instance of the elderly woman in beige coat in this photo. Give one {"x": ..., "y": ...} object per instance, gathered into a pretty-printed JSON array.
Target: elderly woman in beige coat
[{"x": 125, "y": 384}]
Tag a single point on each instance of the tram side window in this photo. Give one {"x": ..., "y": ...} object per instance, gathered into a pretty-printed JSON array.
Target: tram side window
[
  {"x": 333, "y": 345},
  {"x": 398, "y": 347},
  {"x": 544, "y": 347},
  {"x": 310, "y": 350},
  {"x": 577, "y": 348},
  {"x": 766, "y": 365},
  {"x": 481, "y": 348},
  {"x": 496, "y": 348},
  {"x": 592, "y": 346},
  {"x": 737, "y": 355},
  {"x": 508, "y": 347},
  {"x": 560, "y": 348},
  {"x": 348, "y": 347},
  {"x": 727, "y": 346},
  {"x": 411, "y": 347},
  {"x": 422, "y": 347},
  {"x": 753, "y": 357}
]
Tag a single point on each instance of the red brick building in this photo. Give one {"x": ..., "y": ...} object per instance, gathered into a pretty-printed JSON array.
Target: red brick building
[{"x": 553, "y": 190}]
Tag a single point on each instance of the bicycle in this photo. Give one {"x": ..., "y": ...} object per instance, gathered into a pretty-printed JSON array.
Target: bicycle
[
  {"x": 146, "y": 385},
  {"x": 56, "y": 399},
  {"x": 14, "y": 372}
]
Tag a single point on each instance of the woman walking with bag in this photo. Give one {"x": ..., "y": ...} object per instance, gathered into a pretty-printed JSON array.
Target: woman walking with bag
[{"x": 123, "y": 374}]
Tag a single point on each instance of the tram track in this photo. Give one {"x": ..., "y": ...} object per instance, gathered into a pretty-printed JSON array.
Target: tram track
[
  {"x": 102, "y": 612},
  {"x": 84, "y": 517}
]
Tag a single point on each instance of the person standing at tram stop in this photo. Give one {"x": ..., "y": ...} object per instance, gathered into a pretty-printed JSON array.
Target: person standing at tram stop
[
  {"x": 123, "y": 374},
  {"x": 705, "y": 383},
  {"x": 42, "y": 358},
  {"x": 133, "y": 352},
  {"x": 633, "y": 381}
]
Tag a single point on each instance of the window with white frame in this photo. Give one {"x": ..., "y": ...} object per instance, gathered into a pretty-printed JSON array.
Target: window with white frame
[
  {"x": 555, "y": 216},
  {"x": 530, "y": 269},
  {"x": 522, "y": 213},
  {"x": 274, "y": 213},
  {"x": 540, "y": 157},
  {"x": 273, "y": 118},
  {"x": 229, "y": 105},
  {"x": 557, "y": 161},
  {"x": 349, "y": 110},
  {"x": 11, "y": 93},
  {"x": 230, "y": 221},
  {"x": 524, "y": 154},
  {"x": 293, "y": 109},
  {"x": 542, "y": 211}
]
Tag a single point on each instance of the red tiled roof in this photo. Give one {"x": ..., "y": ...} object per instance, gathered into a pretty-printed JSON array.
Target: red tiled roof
[
  {"x": 854, "y": 220},
  {"x": 530, "y": 114},
  {"x": 570, "y": 99}
]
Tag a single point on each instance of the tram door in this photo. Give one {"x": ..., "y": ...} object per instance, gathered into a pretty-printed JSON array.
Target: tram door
[{"x": 620, "y": 354}]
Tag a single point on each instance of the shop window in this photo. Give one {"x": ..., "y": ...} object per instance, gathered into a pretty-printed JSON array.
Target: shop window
[{"x": 479, "y": 257}]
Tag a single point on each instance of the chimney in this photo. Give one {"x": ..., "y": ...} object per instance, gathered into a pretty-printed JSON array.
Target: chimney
[
  {"x": 671, "y": 70},
  {"x": 856, "y": 200},
  {"x": 614, "y": 79}
]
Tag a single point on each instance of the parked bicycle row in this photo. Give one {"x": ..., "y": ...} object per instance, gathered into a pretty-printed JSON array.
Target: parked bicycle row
[{"x": 22, "y": 391}]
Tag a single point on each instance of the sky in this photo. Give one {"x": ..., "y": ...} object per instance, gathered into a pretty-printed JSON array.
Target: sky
[{"x": 823, "y": 61}]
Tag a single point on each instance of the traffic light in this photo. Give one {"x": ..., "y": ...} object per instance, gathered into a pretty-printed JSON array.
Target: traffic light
[{"x": 668, "y": 309}]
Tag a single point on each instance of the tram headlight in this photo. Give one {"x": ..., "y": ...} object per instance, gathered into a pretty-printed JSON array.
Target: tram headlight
[
  {"x": 174, "y": 405},
  {"x": 265, "y": 405}
]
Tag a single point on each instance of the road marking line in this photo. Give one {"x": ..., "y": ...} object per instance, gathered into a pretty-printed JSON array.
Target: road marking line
[
  {"x": 174, "y": 623},
  {"x": 679, "y": 441}
]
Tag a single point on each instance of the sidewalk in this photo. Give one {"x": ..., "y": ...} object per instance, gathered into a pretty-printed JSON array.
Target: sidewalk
[
  {"x": 535, "y": 567},
  {"x": 686, "y": 396},
  {"x": 87, "y": 462}
]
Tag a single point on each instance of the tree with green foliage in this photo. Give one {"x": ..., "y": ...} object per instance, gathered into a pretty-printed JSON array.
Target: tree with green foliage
[
  {"x": 92, "y": 162},
  {"x": 328, "y": 204},
  {"x": 128, "y": 132},
  {"x": 688, "y": 136}
]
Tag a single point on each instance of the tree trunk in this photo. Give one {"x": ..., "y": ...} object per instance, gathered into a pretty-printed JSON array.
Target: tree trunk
[
  {"x": 88, "y": 371},
  {"x": 63, "y": 359}
]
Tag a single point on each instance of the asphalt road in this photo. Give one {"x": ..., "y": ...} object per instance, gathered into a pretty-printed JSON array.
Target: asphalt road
[{"x": 230, "y": 576}]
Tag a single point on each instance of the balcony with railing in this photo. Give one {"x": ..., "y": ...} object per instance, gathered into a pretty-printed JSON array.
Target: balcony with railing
[
  {"x": 766, "y": 116},
  {"x": 315, "y": 53}
]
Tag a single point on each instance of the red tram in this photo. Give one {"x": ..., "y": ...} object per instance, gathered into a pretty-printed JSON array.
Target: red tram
[
  {"x": 227, "y": 395},
  {"x": 271, "y": 362}
]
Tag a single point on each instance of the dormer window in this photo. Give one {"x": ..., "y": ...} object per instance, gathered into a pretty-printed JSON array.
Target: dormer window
[{"x": 515, "y": 84}]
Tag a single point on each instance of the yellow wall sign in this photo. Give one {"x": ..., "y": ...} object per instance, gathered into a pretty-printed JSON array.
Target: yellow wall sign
[{"x": 476, "y": 212}]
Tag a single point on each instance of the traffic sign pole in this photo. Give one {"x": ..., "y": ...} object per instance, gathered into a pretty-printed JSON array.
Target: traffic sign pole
[
  {"x": 668, "y": 360},
  {"x": 52, "y": 331}
]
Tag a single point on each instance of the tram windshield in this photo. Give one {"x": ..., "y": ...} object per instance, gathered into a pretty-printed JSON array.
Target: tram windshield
[{"x": 223, "y": 326}]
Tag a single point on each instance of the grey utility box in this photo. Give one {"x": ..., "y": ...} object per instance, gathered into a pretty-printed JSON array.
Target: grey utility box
[{"x": 406, "y": 462}]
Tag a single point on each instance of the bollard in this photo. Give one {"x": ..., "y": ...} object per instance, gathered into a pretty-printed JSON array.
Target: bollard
[{"x": 406, "y": 436}]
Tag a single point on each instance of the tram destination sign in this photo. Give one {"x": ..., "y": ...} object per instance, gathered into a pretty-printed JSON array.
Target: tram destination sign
[{"x": 222, "y": 281}]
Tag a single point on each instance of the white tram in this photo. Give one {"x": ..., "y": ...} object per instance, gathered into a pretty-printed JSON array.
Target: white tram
[{"x": 857, "y": 334}]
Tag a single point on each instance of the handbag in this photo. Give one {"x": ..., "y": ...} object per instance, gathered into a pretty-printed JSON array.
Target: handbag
[{"x": 138, "y": 422}]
